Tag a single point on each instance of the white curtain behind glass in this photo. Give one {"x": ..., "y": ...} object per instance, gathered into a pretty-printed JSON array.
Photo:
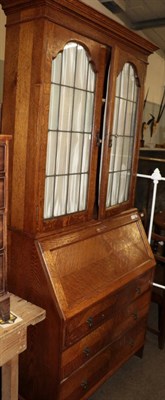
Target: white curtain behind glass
[
  {"x": 123, "y": 134},
  {"x": 69, "y": 132}
]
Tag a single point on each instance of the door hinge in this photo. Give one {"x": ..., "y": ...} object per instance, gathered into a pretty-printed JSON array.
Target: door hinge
[
  {"x": 110, "y": 142},
  {"x": 98, "y": 140}
]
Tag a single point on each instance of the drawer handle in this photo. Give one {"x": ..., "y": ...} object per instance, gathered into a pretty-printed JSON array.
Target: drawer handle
[
  {"x": 131, "y": 342},
  {"x": 138, "y": 290},
  {"x": 90, "y": 322},
  {"x": 135, "y": 315},
  {"x": 86, "y": 351},
  {"x": 84, "y": 385}
]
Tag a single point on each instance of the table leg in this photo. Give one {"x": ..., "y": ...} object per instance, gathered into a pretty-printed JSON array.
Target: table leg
[{"x": 10, "y": 379}]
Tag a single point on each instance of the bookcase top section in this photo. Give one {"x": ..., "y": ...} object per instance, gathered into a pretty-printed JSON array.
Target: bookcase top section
[{"x": 58, "y": 11}]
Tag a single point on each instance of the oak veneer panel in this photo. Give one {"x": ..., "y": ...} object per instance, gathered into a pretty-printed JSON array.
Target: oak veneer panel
[
  {"x": 82, "y": 271},
  {"x": 2, "y": 278},
  {"x": 47, "y": 367},
  {"x": 2, "y": 158},
  {"x": 102, "y": 365},
  {"x": 4, "y": 295},
  {"x": 119, "y": 321}
]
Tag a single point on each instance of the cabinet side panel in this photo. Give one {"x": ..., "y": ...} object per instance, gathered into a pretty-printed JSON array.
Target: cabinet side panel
[{"x": 39, "y": 364}]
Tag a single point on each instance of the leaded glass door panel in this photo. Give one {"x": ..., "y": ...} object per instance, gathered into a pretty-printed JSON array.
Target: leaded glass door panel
[
  {"x": 73, "y": 124},
  {"x": 120, "y": 138},
  {"x": 123, "y": 135}
]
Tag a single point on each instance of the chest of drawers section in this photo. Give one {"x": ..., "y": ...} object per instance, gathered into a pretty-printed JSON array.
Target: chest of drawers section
[
  {"x": 99, "y": 340},
  {"x": 4, "y": 295}
]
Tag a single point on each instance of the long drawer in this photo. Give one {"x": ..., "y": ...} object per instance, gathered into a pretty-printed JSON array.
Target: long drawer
[
  {"x": 78, "y": 385},
  {"x": 87, "y": 321},
  {"x": 86, "y": 348},
  {"x": 91, "y": 318}
]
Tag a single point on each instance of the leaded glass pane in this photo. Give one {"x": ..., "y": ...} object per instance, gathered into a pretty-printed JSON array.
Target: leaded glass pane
[
  {"x": 79, "y": 110},
  {"x": 132, "y": 85},
  {"x": 51, "y": 153},
  {"x": 65, "y": 109},
  {"x": 69, "y": 64},
  {"x": 83, "y": 191},
  {"x": 62, "y": 158},
  {"x": 109, "y": 190},
  {"x": 76, "y": 152},
  {"x": 91, "y": 80},
  {"x": 89, "y": 112},
  {"x": 56, "y": 69},
  {"x": 127, "y": 152},
  {"x": 128, "y": 119},
  {"x": 86, "y": 153},
  {"x": 81, "y": 69},
  {"x": 124, "y": 82},
  {"x": 130, "y": 151},
  {"x": 121, "y": 116},
  {"x": 61, "y": 195},
  {"x": 73, "y": 193},
  {"x": 49, "y": 190},
  {"x": 116, "y": 113},
  {"x": 54, "y": 107},
  {"x": 118, "y": 153},
  {"x": 115, "y": 188}
]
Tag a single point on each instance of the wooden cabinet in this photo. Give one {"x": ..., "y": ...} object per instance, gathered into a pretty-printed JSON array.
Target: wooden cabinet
[
  {"x": 77, "y": 247},
  {"x": 4, "y": 295},
  {"x": 95, "y": 282}
]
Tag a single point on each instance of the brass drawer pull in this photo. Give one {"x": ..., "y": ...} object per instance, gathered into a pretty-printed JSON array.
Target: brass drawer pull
[
  {"x": 135, "y": 315},
  {"x": 84, "y": 384},
  {"x": 90, "y": 322},
  {"x": 86, "y": 351},
  {"x": 138, "y": 290},
  {"x": 131, "y": 342}
]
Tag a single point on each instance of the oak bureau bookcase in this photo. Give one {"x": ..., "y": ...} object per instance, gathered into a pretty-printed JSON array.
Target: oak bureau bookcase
[{"x": 73, "y": 100}]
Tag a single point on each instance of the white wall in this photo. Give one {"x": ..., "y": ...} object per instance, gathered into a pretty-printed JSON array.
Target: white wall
[{"x": 155, "y": 79}]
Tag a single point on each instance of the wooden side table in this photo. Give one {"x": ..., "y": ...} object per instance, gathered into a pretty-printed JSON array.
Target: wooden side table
[{"x": 13, "y": 341}]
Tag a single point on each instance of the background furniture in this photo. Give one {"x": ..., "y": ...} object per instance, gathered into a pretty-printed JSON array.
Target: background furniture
[
  {"x": 149, "y": 160},
  {"x": 158, "y": 294},
  {"x": 77, "y": 247},
  {"x": 13, "y": 341}
]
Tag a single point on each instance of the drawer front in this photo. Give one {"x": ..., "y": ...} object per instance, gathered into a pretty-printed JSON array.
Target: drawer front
[
  {"x": 86, "y": 348},
  {"x": 2, "y": 192},
  {"x": 2, "y": 273},
  {"x": 84, "y": 379},
  {"x": 129, "y": 316},
  {"x": 2, "y": 157},
  {"x": 135, "y": 289},
  {"x": 1, "y": 230},
  {"x": 89, "y": 320},
  {"x": 81, "y": 352}
]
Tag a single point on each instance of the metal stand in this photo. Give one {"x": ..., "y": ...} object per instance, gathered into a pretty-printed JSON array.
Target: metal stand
[{"x": 156, "y": 177}]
